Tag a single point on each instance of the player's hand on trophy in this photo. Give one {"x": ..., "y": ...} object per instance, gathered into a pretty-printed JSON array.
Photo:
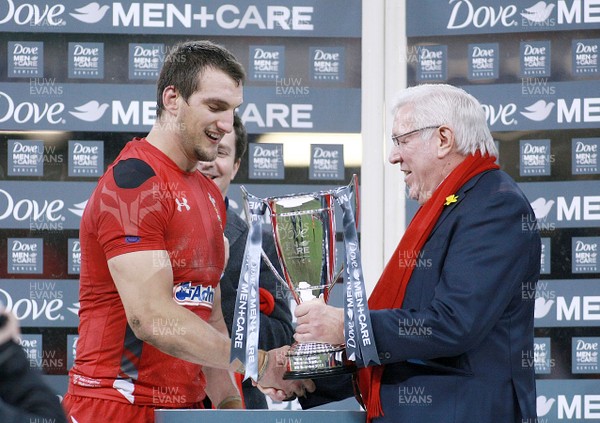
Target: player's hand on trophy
[
  {"x": 270, "y": 378},
  {"x": 319, "y": 322}
]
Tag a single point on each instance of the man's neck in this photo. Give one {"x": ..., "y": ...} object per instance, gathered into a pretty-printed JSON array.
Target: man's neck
[{"x": 168, "y": 142}]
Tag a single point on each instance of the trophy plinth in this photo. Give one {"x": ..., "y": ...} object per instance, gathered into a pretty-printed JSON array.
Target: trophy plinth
[{"x": 310, "y": 360}]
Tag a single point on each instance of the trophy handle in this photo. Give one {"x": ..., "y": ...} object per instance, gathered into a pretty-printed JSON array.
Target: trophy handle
[
  {"x": 273, "y": 269},
  {"x": 266, "y": 259}
]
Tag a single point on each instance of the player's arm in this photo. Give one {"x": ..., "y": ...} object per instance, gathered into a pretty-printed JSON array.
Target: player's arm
[
  {"x": 146, "y": 290},
  {"x": 220, "y": 385}
]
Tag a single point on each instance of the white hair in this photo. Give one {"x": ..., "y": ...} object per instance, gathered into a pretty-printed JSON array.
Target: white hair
[{"x": 442, "y": 104}]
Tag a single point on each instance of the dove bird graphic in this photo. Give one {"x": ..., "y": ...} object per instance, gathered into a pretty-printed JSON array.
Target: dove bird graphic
[
  {"x": 90, "y": 111},
  {"x": 91, "y": 14},
  {"x": 543, "y": 405},
  {"x": 75, "y": 308},
  {"x": 541, "y": 207},
  {"x": 538, "y": 111},
  {"x": 539, "y": 12},
  {"x": 542, "y": 307},
  {"x": 78, "y": 208}
]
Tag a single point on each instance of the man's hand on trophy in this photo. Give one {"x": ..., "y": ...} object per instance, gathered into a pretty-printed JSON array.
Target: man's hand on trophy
[
  {"x": 318, "y": 322},
  {"x": 270, "y": 378}
]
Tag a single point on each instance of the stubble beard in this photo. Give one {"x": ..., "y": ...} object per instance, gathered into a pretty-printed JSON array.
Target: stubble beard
[{"x": 205, "y": 154}]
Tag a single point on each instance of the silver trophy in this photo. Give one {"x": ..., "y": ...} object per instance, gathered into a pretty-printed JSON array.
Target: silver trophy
[{"x": 304, "y": 232}]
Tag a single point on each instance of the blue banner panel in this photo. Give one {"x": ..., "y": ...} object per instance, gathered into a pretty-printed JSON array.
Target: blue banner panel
[
  {"x": 42, "y": 303},
  {"x": 459, "y": 17},
  {"x": 265, "y": 18},
  {"x": 132, "y": 108}
]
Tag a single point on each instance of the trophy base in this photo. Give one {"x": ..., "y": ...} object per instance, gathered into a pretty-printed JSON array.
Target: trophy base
[{"x": 312, "y": 360}]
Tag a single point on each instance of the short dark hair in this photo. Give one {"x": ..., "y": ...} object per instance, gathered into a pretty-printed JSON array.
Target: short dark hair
[
  {"x": 187, "y": 60},
  {"x": 241, "y": 137}
]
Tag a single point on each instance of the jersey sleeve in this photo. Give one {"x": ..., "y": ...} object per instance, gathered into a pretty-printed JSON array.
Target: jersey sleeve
[{"x": 132, "y": 215}]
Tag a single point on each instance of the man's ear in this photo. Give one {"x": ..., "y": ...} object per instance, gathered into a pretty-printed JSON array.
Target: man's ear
[
  {"x": 446, "y": 141},
  {"x": 169, "y": 97}
]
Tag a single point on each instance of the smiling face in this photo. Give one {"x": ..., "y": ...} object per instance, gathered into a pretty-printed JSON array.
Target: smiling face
[
  {"x": 207, "y": 115},
  {"x": 224, "y": 168}
]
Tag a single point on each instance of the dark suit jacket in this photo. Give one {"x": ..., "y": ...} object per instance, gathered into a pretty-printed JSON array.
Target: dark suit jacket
[
  {"x": 276, "y": 330},
  {"x": 24, "y": 396},
  {"x": 461, "y": 347}
]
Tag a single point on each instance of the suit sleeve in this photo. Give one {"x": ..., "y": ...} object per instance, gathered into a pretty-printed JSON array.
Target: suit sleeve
[
  {"x": 328, "y": 389},
  {"x": 484, "y": 265},
  {"x": 276, "y": 329}
]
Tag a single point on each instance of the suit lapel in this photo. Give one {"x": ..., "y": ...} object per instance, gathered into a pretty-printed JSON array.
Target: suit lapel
[
  {"x": 461, "y": 194},
  {"x": 235, "y": 227}
]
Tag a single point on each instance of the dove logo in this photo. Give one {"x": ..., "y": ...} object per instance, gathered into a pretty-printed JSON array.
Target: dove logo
[
  {"x": 29, "y": 112},
  {"x": 32, "y": 14},
  {"x": 30, "y": 210},
  {"x": 542, "y": 307},
  {"x": 90, "y": 14},
  {"x": 580, "y": 110},
  {"x": 464, "y": 14},
  {"x": 539, "y": 13},
  {"x": 538, "y": 111},
  {"x": 92, "y": 111},
  {"x": 30, "y": 308},
  {"x": 500, "y": 114}
]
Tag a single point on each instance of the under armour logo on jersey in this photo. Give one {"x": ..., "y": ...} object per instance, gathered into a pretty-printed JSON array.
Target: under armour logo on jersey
[{"x": 182, "y": 203}]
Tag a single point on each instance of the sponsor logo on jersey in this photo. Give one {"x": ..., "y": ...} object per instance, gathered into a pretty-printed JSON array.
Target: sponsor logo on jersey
[{"x": 189, "y": 293}]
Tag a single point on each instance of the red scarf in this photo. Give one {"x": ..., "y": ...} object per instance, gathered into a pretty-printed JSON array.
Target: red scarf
[{"x": 389, "y": 290}]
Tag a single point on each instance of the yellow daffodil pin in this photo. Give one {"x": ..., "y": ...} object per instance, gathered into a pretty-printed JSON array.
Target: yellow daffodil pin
[{"x": 451, "y": 199}]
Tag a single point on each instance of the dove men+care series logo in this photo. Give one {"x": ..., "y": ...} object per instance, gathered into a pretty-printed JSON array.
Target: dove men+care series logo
[{"x": 567, "y": 401}]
